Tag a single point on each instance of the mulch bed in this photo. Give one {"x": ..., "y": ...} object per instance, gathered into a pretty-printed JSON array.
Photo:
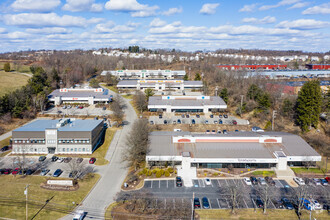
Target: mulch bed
[{"x": 59, "y": 188}]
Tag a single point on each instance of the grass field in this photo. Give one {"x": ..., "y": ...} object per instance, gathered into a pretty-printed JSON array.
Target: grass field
[
  {"x": 12, "y": 198},
  {"x": 305, "y": 170},
  {"x": 11, "y": 81},
  {"x": 112, "y": 88},
  {"x": 19, "y": 68},
  {"x": 2, "y": 144},
  {"x": 263, "y": 173},
  {"x": 251, "y": 214}
]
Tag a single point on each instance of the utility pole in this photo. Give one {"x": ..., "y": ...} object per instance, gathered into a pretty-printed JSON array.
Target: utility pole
[
  {"x": 273, "y": 119},
  {"x": 242, "y": 97},
  {"x": 192, "y": 207},
  {"x": 26, "y": 201},
  {"x": 216, "y": 91}
]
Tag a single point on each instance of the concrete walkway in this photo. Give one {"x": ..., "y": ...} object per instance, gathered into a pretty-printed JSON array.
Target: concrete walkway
[{"x": 112, "y": 174}]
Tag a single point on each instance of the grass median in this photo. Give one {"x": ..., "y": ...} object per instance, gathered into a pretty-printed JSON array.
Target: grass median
[
  {"x": 12, "y": 198},
  {"x": 306, "y": 170},
  {"x": 263, "y": 173},
  {"x": 3, "y": 143}
]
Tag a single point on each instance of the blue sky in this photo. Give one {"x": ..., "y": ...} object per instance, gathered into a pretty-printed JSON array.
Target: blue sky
[{"x": 182, "y": 24}]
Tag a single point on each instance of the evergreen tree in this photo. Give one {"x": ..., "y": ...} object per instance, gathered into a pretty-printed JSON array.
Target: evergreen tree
[
  {"x": 6, "y": 67},
  {"x": 264, "y": 101},
  {"x": 254, "y": 92},
  {"x": 224, "y": 95},
  {"x": 308, "y": 106},
  {"x": 185, "y": 78},
  {"x": 287, "y": 107},
  {"x": 197, "y": 77}
]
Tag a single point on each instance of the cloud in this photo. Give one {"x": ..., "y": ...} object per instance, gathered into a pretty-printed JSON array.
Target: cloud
[
  {"x": 148, "y": 12},
  {"x": 176, "y": 27},
  {"x": 299, "y": 5},
  {"x": 45, "y": 20},
  {"x": 111, "y": 27},
  {"x": 157, "y": 23},
  {"x": 172, "y": 11},
  {"x": 281, "y": 3},
  {"x": 3, "y": 30},
  {"x": 53, "y": 30},
  {"x": 82, "y": 5},
  {"x": 35, "y": 5},
  {"x": 248, "y": 8},
  {"x": 208, "y": 9},
  {"x": 319, "y": 9},
  {"x": 303, "y": 24},
  {"x": 265, "y": 20},
  {"x": 136, "y": 9}
]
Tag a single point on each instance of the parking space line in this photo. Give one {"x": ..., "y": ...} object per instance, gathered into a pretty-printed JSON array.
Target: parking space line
[
  {"x": 245, "y": 203},
  {"x": 151, "y": 184},
  {"x": 211, "y": 184},
  {"x": 219, "y": 183},
  {"x": 159, "y": 184},
  {"x": 210, "y": 203},
  {"x": 167, "y": 184},
  {"x": 254, "y": 204},
  {"x": 226, "y": 182},
  {"x": 280, "y": 184},
  {"x": 174, "y": 184},
  {"x": 272, "y": 204},
  {"x": 227, "y": 203},
  {"x": 218, "y": 203}
]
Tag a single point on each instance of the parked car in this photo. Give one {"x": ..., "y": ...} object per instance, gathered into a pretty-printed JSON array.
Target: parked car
[
  {"x": 278, "y": 204},
  {"x": 247, "y": 181},
  {"x": 326, "y": 207},
  {"x": 7, "y": 171},
  {"x": 220, "y": 116},
  {"x": 211, "y": 116},
  {"x": 205, "y": 203},
  {"x": 327, "y": 179},
  {"x": 324, "y": 182},
  {"x": 215, "y": 122},
  {"x": 104, "y": 108},
  {"x": 15, "y": 171},
  {"x": 151, "y": 122},
  {"x": 317, "y": 181},
  {"x": 259, "y": 203},
  {"x": 193, "y": 121},
  {"x": 174, "y": 122},
  {"x": 225, "y": 116},
  {"x": 57, "y": 173},
  {"x": 236, "y": 130},
  {"x": 187, "y": 116},
  {"x": 207, "y": 131},
  {"x": 60, "y": 159},
  {"x": 254, "y": 180},
  {"x": 73, "y": 174},
  {"x": 224, "y": 132},
  {"x": 92, "y": 160},
  {"x": 299, "y": 181},
  {"x": 270, "y": 181},
  {"x": 262, "y": 181},
  {"x": 206, "y": 121},
  {"x": 219, "y": 131},
  {"x": 287, "y": 204},
  {"x": 208, "y": 181},
  {"x": 317, "y": 205},
  {"x": 234, "y": 122},
  {"x": 178, "y": 181},
  {"x": 182, "y": 116},
  {"x": 197, "y": 116},
  {"x": 54, "y": 158},
  {"x": 160, "y": 116},
  {"x": 220, "y": 122},
  {"x": 29, "y": 172},
  {"x": 67, "y": 159},
  {"x": 257, "y": 129},
  {"x": 197, "y": 203},
  {"x": 5, "y": 148},
  {"x": 179, "y": 121},
  {"x": 165, "y": 122},
  {"x": 42, "y": 158},
  {"x": 44, "y": 172},
  {"x": 79, "y": 160},
  {"x": 306, "y": 203},
  {"x": 79, "y": 215}
]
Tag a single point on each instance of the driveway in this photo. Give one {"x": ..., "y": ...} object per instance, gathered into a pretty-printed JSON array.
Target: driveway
[{"x": 112, "y": 175}]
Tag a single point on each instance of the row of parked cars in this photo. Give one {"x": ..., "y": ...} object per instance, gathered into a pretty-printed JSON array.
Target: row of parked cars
[
  {"x": 260, "y": 180},
  {"x": 316, "y": 181}
]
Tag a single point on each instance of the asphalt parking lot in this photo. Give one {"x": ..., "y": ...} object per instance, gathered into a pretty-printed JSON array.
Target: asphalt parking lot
[
  {"x": 11, "y": 162},
  {"x": 166, "y": 192},
  {"x": 201, "y": 120},
  {"x": 90, "y": 110}
]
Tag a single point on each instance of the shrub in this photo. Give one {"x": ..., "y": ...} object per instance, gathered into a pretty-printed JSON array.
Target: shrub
[
  {"x": 154, "y": 171},
  {"x": 175, "y": 172},
  {"x": 141, "y": 173},
  {"x": 167, "y": 174},
  {"x": 162, "y": 172},
  {"x": 215, "y": 174},
  {"x": 159, "y": 174},
  {"x": 145, "y": 171},
  {"x": 205, "y": 174},
  {"x": 170, "y": 169},
  {"x": 149, "y": 173}
]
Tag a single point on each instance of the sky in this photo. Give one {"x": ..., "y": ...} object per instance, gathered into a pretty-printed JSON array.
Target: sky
[{"x": 188, "y": 25}]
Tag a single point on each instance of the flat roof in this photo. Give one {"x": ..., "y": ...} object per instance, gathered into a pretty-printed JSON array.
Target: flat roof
[
  {"x": 213, "y": 100},
  {"x": 161, "y": 144},
  {"x": 80, "y": 93},
  {"x": 73, "y": 125},
  {"x": 153, "y": 83}
]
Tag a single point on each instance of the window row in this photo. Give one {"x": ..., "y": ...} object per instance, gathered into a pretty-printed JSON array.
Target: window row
[
  {"x": 30, "y": 141},
  {"x": 76, "y": 149},
  {"x": 29, "y": 150},
  {"x": 73, "y": 141}
]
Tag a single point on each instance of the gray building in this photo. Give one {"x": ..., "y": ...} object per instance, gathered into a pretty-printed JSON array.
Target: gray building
[
  {"x": 80, "y": 95},
  {"x": 186, "y": 104},
  {"x": 64, "y": 136},
  {"x": 144, "y": 74},
  {"x": 159, "y": 85}
]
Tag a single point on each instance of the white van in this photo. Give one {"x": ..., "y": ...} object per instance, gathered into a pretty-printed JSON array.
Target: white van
[{"x": 177, "y": 129}]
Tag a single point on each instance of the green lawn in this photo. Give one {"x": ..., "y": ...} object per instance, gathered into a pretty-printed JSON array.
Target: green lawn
[
  {"x": 4, "y": 143},
  {"x": 305, "y": 170},
  {"x": 11, "y": 81},
  {"x": 112, "y": 88},
  {"x": 19, "y": 68},
  {"x": 264, "y": 173},
  {"x": 12, "y": 198}
]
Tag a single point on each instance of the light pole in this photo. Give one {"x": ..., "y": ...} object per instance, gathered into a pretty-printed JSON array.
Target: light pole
[
  {"x": 242, "y": 96},
  {"x": 26, "y": 201},
  {"x": 192, "y": 207},
  {"x": 273, "y": 119}
]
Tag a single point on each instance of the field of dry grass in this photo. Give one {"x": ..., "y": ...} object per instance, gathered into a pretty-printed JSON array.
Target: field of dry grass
[{"x": 11, "y": 81}]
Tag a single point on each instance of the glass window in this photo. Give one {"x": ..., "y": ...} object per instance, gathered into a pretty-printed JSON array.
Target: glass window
[
  {"x": 76, "y": 141},
  {"x": 71, "y": 149},
  {"x": 43, "y": 141},
  {"x": 60, "y": 141},
  {"x": 63, "y": 149},
  {"x": 83, "y": 149},
  {"x": 15, "y": 141},
  {"x": 35, "y": 149},
  {"x": 75, "y": 149},
  {"x": 71, "y": 141},
  {"x": 79, "y": 141},
  {"x": 67, "y": 149},
  {"x": 87, "y": 141},
  {"x": 79, "y": 149},
  {"x": 84, "y": 141}
]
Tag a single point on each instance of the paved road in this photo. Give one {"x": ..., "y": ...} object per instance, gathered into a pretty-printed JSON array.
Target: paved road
[{"x": 112, "y": 175}]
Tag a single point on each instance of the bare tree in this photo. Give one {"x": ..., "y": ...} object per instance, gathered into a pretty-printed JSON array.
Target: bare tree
[
  {"x": 20, "y": 160},
  {"x": 140, "y": 101},
  {"x": 265, "y": 193},
  {"x": 298, "y": 194},
  {"x": 235, "y": 195},
  {"x": 77, "y": 170},
  {"x": 117, "y": 109}
]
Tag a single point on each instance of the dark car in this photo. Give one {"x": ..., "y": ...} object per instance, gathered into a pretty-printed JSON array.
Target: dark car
[
  {"x": 182, "y": 115},
  {"x": 236, "y": 130},
  {"x": 205, "y": 202},
  {"x": 178, "y": 181},
  {"x": 5, "y": 148},
  {"x": 326, "y": 207},
  {"x": 225, "y": 116},
  {"x": 7, "y": 171},
  {"x": 234, "y": 122},
  {"x": 79, "y": 160},
  {"x": 2, "y": 171},
  {"x": 54, "y": 158},
  {"x": 287, "y": 204},
  {"x": 179, "y": 121},
  {"x": 15, "y": 171},
  {"x": 67, "y": 159},
  {"x": 165, "y": 122},
  {"x": 224, "y": 132},
  {"x": 187, "y": 116},
  {"x": 92, "y": 160},
  {"x": 270, "y": 181},
  {"x": 197, "y": 203},
  {"x": 259, "y": 203},
  {"x": 220, "y": 122},
  {"x": 193, "y": 121},
  {"x": 42, "y": 158},
  {"x": 104, "y": 108},
  {"x": 73, "y": 174},
  {"x": 254, "y": 180},
  {"x": 29, "y": 172},
  {"x": 220, "y": 116},
  {"x": 57, "y": 173},
  {"x": 160, "y": 116},
  {"x": 278, "y": 204},
  {"x": 211, "y": 116},
  {"x": 197, "y": 116}
]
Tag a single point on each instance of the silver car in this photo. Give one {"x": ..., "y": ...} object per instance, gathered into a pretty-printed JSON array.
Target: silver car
[{"x": 44, "y": 172}]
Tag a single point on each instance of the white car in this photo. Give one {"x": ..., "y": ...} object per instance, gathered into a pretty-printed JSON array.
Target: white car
[
  {"x": 317, "y": 205},
  {"x": 60, "y": 160},
  {"x": 247, "y": 181},
  {"x": 208, "y": 181},
  {"x": 262, "y": 181},
  {"x": 299, "y": 181},
  {"x": 317, "y": 181},
  {"x": 257, "y": 129},
  {"x": 79, "y": 215}
]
